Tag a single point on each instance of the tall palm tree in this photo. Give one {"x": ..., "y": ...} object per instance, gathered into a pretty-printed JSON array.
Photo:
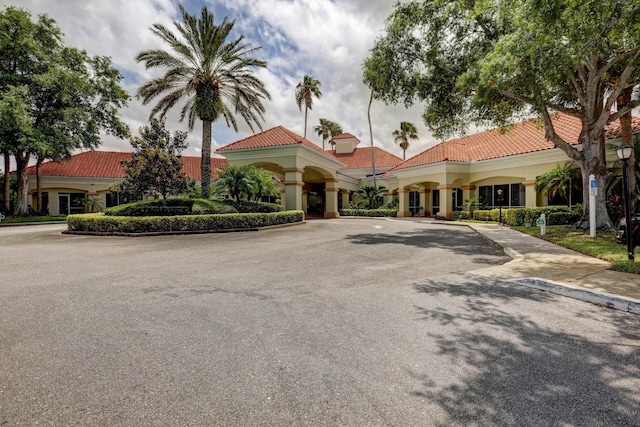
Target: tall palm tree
[
  {"x": 327, "y": 128},
  {"x": 305, "y": 91},
  {"x": 560, "y": 180},
  {"x": 213, "y": 77},
  {"x": 407, "y": 131}
]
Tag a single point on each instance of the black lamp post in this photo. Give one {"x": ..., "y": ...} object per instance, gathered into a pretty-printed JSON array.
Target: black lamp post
[
  {"x": 624, "y": 152},
  {"x": 500, "y": 202}
]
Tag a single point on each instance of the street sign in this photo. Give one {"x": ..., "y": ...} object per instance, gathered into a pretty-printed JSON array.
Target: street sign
[
  {"x": 540, "y": 222},
  {"x": 2, "y": 217},
  {"x": 593, "y": 187}
]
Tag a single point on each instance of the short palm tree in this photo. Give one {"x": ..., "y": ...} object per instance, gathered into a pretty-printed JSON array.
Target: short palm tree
[
  {"x": 305, "y": 91},
  {"x": 236, "y": 181},
  {"x": 407, "y": 131},
  {"x": 560, "y": 180},
  {"x": 372, "y": 195},
  {"x": 327, "y": 128},
  {"x": 211, "y": 75}
]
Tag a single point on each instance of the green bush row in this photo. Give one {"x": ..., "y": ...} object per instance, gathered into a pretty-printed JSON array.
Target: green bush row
[
  {"x": 170, "y": 207},
  {"x": 100, "y": 223},
  {"x": 555, "y": 215},
  {"x": 254, "y": 207},
  {"x": 369, "y": 212}
]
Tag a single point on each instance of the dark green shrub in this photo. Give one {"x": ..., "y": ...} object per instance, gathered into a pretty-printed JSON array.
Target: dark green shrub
[
  {"x": 100, "y": 223},
  {"x": 370, "y": 212},
  {"x": 563, "y": 218},
  {"x": 170, "y": 207},
  {"x": 254, "y": 207},
  {"x": 460, "y": 215},
  {"x": 522, "y": 216}
]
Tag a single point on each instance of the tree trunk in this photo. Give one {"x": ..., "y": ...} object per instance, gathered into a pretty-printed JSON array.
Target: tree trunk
[
  {"x": 592, "y": 162},
  {"x": 373, "y": 155},
  {"x": 205, "y": 167},
  {"x": 627, "y": 138},
  {"x": 7, "y": 181},
  {"x": 22, "y": 204},
  {"x": 39, "y": 188},
  {"x": 305, "y": 122}
]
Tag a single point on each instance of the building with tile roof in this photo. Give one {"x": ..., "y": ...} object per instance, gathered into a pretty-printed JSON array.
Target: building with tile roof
[
  {"x": 320, "y": 182},
  {"x": 90, "y": 174}
]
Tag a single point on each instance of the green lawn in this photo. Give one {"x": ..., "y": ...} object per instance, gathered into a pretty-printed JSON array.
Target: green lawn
[
  {"x": 603, "y": 246},
  {"x": 33, "y": 219}
]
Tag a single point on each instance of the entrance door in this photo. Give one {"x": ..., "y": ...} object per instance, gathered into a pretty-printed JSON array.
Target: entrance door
[
  {"x": 63, "y": 203},
  {"x": 414, "y": 202}
]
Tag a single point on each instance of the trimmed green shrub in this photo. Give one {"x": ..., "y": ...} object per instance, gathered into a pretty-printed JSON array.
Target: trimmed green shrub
[
  {"x": 461, "y": 215},
  {"x": 170, "y": 207},
  {"x": 254, "y": 207},
  {"x": 100, "y": 223},
  {"x": 522, "y": 216},
  {"x": 563, "y": 218},
  {"x": 370, "y": 212}
]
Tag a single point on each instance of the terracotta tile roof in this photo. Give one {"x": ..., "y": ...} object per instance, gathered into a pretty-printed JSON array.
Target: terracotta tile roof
[
  {"x": 274, "y": 137},
  {"x": 524, "y": 137},
  {"x": 107, "y": 164},
  {"x": 361, "y": 158},
  {"x": 345, "y": 135}
]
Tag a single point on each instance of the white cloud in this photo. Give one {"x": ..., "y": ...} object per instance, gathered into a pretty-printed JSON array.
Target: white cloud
[{"x": 326, "y": 39}]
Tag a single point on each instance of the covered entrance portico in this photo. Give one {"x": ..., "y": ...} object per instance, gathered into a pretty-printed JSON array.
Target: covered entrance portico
[{"x": 307, "y": 173}]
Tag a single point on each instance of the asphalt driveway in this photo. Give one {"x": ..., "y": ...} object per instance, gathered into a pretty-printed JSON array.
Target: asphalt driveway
[{"x": 338, "y": 322}]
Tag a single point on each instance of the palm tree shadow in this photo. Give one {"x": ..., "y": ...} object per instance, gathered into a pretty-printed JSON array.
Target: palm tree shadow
[{"x": 528, "y": 370}]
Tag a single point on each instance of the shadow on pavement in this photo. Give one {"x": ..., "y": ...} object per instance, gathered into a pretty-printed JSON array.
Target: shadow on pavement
[{"x": 529, "y": 370}]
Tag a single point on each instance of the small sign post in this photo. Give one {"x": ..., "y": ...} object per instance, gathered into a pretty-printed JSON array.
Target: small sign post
[
  {"x": 542, "y": 223},
  {"x": 1, "y": 217},
  {"x": 593, "y": 192}
]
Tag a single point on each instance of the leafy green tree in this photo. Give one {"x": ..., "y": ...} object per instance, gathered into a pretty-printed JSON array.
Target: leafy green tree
[
  {"x": 495, "y": 61},
  {"x": 401, "y": 136},
  {"x": 305, "y": 91},
  {"x": 560, "y": 181},
  {"x": 372, "y": 195},
  {"x": 68, "y": 96},
  {"x": 327, "y": 129},
  {"x": 155, "y": 166},
  {"x": 211, "y": 75}
]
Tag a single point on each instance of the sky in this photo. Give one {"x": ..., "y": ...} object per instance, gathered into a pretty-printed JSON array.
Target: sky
[{"x": 327, "y": 39}]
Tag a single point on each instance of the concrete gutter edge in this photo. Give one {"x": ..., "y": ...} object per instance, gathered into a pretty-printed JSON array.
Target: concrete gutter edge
[{"x": 604, "y": 299}]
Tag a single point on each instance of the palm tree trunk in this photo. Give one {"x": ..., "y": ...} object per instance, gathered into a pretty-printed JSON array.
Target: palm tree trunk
[
  {"x": 22, "y": 203},
  {"x": 7, "y": 180},
  {"x": 205, "y": 167},
  {"x": 305, "y": 122},
  {"x": 373, "y": 155}
]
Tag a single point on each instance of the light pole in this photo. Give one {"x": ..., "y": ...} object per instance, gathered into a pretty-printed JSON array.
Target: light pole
[
  {"x": 500, "y": 202},
  {"x": 624, "y": 152}
]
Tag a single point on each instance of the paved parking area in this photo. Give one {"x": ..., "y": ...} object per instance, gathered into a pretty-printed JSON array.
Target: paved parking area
[{"x": 338, "y": 322}]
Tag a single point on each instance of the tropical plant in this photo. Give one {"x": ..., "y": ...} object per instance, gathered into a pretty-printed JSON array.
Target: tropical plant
[
  {"x": 235, "y": 180},
  {"x": 211, "y": 75},
  {"x": 401, "y": 136},
  {"x": 262, "y": 184},
  {"x": 155, "y": 165},
  {"x": 305, "y": 91},
  {"x": 372, "y": 195},
  {"x": 327, "y": 129},
  {"x": 560, "y": 181},
  {"x": 92, "y": 204}
]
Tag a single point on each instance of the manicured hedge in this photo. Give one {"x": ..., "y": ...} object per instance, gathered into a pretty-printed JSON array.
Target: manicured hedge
[
  {"x": 100, "y": 223},
  {"x": 370, "y": 212},
  {"x": 555, "y": 215},
  {"x": 254, "y": 207},
  {"x": 170, "y": 207}
]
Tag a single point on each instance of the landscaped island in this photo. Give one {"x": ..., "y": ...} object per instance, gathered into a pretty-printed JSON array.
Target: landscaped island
[{"x": 181, "y": 216}]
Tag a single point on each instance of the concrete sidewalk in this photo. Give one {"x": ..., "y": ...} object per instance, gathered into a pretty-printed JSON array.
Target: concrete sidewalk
[{"x": 536, "y": 261}]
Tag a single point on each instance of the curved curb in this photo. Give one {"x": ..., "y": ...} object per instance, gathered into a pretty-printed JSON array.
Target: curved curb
[{"x": 604, "y": 299}]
